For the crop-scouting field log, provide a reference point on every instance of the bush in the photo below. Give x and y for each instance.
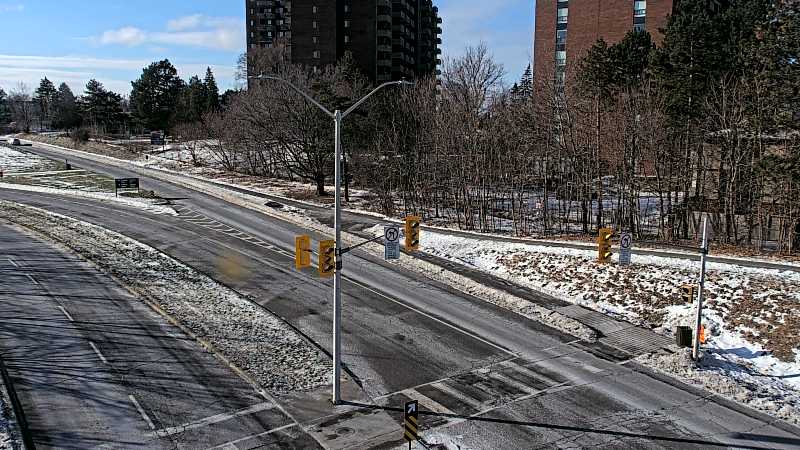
(80, 136)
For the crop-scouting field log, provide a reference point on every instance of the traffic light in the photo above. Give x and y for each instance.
(327, 258)
(604, 245)
(688, 293)
(412, 233)
(302, 252)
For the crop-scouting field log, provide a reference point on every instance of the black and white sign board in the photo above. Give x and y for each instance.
(391, 239)
(625, 248)
(126, 184)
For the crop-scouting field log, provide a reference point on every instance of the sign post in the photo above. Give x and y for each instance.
(700, 292)
(625, 248)
(125, 184)
(410, 421)
(391, 237)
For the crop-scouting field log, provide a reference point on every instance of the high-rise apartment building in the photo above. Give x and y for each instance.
(566, 29)
(389, 39)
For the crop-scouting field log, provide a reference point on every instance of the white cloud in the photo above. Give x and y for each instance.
(76, 71)
(11, 7)
(218, 33)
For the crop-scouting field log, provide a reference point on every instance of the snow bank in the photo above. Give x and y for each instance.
(9, 434)
(718, 375)
(12, 160)
(133, 202)
(249, 337)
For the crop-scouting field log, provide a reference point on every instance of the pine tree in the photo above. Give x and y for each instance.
(101, 108)
(156, 95)
(45, 97)
(65, 114)
(211, 92)
(526, 83)
(5, 109)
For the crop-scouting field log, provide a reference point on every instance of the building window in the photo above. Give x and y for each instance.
(561, 39)
(561, 58)
(639, 27)
(314, 9)
(347, 39)
(314, 24)
(640, 8)
(315, 39)
(563, 15)
(316, 54)
(347, 24)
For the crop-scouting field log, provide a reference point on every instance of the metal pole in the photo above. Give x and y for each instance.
(699, 321)
(337, 277)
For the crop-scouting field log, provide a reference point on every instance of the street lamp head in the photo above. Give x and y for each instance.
(404, 82)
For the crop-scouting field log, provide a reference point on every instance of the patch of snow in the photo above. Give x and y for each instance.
(267, 349)
(12, 160)
(133, 202)
(9, 434)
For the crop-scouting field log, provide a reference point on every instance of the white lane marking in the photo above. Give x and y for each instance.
(512, 382)
(30, 277)
(66, 313)
(212, 420)
(426, 401)
(142, 413)
(474, 402)
(12, 262)
(97, 350)
(232, 444)
(418, 311)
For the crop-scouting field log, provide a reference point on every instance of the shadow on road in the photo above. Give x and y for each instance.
(678, 440)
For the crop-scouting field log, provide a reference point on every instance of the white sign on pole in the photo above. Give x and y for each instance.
(625, 247)
(391, 237)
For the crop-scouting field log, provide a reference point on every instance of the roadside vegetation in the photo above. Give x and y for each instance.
(638, 137)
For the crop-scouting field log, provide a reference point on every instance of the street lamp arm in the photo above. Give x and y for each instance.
(297, 89)
(360, 102)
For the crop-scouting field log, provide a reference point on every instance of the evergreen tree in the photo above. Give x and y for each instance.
(526, 83)
(211, 92)
(5, 109)
(45, 97)
(156, 95)
(65, 114)
(194, 101)
(101, 108)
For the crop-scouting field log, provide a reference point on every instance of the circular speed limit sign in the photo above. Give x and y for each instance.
(626, 241)
(392, 234)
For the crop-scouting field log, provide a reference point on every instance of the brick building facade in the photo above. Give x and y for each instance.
(566, 29)
(389, 39)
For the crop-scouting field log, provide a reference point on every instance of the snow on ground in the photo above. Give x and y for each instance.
(13, 161)
(750, 314)
(262, 345)
(150, 205)
(8, 438)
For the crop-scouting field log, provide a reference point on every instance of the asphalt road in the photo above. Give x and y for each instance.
(96, 368)
(495, 379)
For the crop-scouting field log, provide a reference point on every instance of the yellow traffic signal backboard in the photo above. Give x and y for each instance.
(302, 252)
(604, 244)
(412, 233)
(327, 258)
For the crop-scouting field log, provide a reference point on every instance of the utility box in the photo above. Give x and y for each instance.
(683, 336)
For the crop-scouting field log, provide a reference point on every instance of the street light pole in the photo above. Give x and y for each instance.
(338, 117)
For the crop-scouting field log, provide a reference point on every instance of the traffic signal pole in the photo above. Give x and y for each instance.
(337, 276)
(337, 117)
(698, 325)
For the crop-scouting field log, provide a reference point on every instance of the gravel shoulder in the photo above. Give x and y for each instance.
(252, 340)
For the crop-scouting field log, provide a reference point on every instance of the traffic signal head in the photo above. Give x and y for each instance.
(327, 258)
(688, 293)
(604, 244)
(412, 233)
(302, 252)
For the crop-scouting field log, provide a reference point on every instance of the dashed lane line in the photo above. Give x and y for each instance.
(97, 350)
(66, 313)
(211, 420)
(142, 412)
(232, 444)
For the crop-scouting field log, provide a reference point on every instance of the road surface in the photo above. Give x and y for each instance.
(497, 380)
(94, 367)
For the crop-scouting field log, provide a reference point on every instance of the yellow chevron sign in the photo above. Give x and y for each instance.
(410, 419)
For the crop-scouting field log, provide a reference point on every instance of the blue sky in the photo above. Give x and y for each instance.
(111, 40)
